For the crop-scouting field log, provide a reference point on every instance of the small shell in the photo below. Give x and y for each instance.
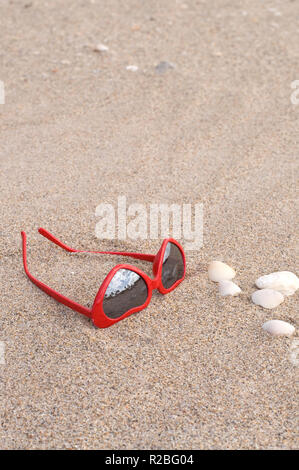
(283, 281)
(267, 298)
(278, 328)
(132, 68)
(101, 48)
(219, 271)
(228, 288)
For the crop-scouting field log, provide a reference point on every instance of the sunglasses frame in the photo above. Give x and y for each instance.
(96, 313)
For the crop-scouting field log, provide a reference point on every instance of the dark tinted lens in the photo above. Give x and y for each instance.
(173, 265)
(125, 291)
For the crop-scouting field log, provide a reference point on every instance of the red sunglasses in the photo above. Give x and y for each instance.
(126, 289)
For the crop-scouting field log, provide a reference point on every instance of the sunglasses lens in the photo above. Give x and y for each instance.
(173, 265)
(125, 291)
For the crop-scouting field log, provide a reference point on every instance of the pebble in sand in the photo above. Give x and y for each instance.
(284, 282)
(163, 66)
(219, 271)
(267, 298)
(228, 288)
(278, 328)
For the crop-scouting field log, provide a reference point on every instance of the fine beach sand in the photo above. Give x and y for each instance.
(192, 371)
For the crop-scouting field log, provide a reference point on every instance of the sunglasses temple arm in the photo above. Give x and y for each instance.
(55, 240)
(51, 292)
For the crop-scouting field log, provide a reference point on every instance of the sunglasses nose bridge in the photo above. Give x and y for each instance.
(154, 283)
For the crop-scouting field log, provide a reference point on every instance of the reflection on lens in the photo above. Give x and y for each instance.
(173, 265)
(125, 291)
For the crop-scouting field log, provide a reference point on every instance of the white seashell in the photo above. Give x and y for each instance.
(132, 68)
(228, 288)
(267, 298)
(101, 48)
(283, 281)
(219, 271)
(278, 328)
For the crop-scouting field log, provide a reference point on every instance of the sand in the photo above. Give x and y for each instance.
(192, 371)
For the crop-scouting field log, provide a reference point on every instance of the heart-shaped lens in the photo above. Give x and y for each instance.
(125, 291)
(173, 265)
